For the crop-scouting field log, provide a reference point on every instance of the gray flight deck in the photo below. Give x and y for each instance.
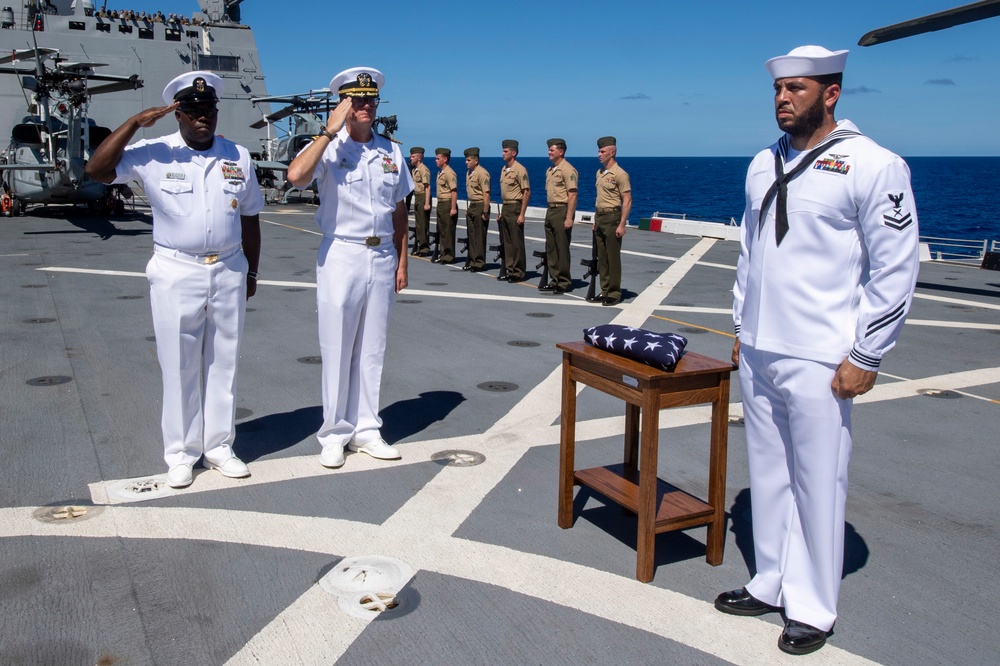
(229, 571)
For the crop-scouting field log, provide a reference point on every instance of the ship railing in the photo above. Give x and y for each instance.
(683, 216)
(959, 250)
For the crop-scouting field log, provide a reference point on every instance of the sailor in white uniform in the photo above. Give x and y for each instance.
(206, 241)
(824, 282)
(362, 263)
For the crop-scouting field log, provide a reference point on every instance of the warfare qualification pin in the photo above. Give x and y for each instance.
(234, 204)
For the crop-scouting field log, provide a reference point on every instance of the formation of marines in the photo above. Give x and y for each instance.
(613, 204)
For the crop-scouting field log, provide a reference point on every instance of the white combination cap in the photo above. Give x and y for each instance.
(358, 82)
(807, 61)
(194, 87)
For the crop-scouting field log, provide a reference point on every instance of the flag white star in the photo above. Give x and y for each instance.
(652, 345)
(628, 343)
(653, 335)
(610, 340)
(593, 339)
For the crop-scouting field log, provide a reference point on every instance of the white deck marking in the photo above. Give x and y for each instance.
(957, 301)
(953, 324)
(312, 630)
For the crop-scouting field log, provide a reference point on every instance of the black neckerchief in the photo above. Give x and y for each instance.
(781, 179)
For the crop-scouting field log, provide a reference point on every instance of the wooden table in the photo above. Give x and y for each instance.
(660, 506)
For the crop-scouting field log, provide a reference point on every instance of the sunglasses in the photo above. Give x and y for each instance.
(359, 102)
(196, 112)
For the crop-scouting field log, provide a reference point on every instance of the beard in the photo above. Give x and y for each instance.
(806, 123)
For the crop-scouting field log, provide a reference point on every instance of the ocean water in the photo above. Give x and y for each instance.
(957, 197)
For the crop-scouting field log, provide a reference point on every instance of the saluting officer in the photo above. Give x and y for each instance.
(447, 205)
(421, 200)
(515, 192)
(614, 202)
(206, 245)
(362, 261)
(477, 188)
(560, 192)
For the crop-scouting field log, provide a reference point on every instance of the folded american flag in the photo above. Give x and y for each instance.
(660, 350)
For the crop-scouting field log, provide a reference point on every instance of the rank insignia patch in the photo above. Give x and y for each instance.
(898, 218)
(232, 171)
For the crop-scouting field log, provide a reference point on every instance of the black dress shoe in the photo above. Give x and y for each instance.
(800, 638)
(467, 267)
(512, 279)
(741, 602)
(611, 301)
(547, 287)
(502, 278)
(560, 290)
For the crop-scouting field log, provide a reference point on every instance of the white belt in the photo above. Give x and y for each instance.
(370, 241)
(197, 257)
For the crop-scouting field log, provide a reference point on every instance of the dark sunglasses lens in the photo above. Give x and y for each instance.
(195, 112)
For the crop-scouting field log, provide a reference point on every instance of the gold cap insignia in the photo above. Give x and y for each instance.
(364, 79)
(199, 84)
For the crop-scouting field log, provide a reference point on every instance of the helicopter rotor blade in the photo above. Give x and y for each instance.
(976, 11)
(130, 83)
(26, 54)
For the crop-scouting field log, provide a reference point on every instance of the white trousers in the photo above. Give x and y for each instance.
(198, 313)
(356, 286)
(798, 446)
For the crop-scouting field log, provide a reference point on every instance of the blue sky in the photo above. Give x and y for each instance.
(667, 78)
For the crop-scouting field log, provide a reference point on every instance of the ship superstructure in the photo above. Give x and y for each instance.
(156, 49)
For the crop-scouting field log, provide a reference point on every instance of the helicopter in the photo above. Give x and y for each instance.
(306, 115)
(43, 163)
(284, 141)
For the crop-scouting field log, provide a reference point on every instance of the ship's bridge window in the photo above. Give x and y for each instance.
(145, 33)
(172, 35)
(219, 63)
(77, 25)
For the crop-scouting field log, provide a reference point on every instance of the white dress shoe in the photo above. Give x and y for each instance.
(180, 476)
(377, 448)
(332, 455)
(234, 468)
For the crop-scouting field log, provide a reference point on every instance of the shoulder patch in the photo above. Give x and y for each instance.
(896, 213)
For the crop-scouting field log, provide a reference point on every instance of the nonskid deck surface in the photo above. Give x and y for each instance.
(230, 571)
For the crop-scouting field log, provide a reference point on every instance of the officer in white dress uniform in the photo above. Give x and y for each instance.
(824, 282)
(206, 241)
(362, 263)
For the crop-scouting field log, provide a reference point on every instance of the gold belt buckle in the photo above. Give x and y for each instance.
(373, 241)
(211, 258)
